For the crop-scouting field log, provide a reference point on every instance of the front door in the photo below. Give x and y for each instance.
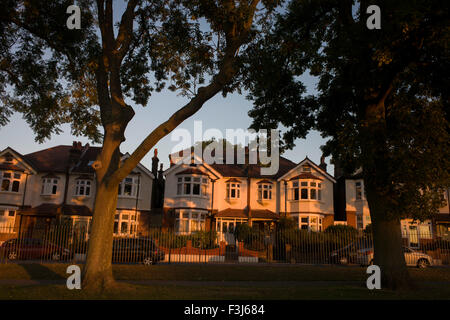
(225, 231)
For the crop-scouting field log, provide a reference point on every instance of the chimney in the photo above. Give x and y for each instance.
(160, 172)
(155, 161)
(338, 170)
(74, 153)
(322, 164)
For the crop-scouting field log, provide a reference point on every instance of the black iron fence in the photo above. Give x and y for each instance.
(69, 244)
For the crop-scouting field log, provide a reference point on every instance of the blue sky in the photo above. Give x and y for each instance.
(220, 113)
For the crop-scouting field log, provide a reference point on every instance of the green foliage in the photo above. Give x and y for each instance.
(286, 223)
(341, 229)
(204, 239)
(382, 98)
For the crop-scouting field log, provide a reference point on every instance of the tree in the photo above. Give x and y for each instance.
(90, 77)
(382, 103)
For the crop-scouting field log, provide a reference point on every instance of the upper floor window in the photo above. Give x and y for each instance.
(358, 190)
(264, 191)
(83, 188)
(10, 181)
(49, 186)
(306, 190)
(233, 190)
(129, 187)
(192, 185)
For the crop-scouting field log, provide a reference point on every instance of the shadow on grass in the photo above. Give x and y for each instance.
(40, 272)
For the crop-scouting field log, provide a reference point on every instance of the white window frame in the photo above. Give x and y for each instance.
(312, 222)
(6, 220)
(187, 182)
(192, 220)
(11, 179)
(233, 186)
(49, 186)
(85, 185)
(128, 218)
(134, 182)
(264, 191)
(310, 185)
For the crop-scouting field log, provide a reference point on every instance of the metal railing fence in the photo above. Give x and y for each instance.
(65, 243)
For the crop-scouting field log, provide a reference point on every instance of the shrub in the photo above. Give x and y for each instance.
(204, 239)
(342, 229)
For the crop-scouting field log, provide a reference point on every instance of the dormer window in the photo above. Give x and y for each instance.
(83, 188)
(192, 185)
(10, 181)
(233, 189)
(264, 190)
(49, 186)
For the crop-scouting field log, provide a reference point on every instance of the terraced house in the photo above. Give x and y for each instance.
(58, 184)
(221, 196)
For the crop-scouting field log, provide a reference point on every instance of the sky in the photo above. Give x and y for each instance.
(219, 113)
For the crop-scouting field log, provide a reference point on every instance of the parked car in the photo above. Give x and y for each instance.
(136, 250)
(412, 258)
(31, 248)
(350, 253)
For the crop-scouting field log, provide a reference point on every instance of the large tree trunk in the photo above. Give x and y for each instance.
(380, 194)
(97, 273)
(387, 239)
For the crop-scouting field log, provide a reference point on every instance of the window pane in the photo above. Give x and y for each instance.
(196, 189)
(296, 194)
(304, 184)
(5, 185)
(304, 193)
(313, 193)
(15, 186)
(54, 189)
(187, 188)
(17, 175)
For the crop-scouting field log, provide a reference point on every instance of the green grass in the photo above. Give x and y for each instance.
(433, 283)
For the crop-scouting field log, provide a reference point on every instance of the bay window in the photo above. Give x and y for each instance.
(7, 220)
(189, 221)
(192, 185)
(125, 223)
(306, 190)
(311, 222)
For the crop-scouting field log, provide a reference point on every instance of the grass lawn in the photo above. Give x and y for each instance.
(319, 282)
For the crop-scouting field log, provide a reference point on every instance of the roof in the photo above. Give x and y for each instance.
(242, 170)
(53, 209)
(57, 159)
(77, 158)
(240, 213)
